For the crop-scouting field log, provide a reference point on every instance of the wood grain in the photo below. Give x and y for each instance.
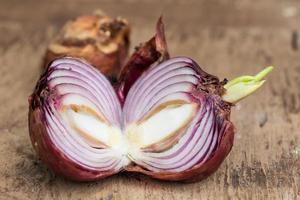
(227, 38)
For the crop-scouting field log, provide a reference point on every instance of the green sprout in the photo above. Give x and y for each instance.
(242, 86)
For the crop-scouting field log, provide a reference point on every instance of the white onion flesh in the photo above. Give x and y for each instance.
(161, 125)
(91, 126)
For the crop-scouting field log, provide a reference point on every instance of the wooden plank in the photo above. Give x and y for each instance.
(228, 37)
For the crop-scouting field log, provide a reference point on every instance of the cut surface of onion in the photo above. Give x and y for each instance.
(166, 124)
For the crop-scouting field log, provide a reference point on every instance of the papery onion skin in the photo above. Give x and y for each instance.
(101, 40)
(149, 53)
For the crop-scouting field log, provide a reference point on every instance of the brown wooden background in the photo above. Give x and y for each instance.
(227, 38)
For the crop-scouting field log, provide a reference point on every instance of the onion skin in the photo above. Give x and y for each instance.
(99, 39)
(149, 53)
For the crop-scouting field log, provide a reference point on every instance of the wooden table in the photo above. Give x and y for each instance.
(228, 38)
